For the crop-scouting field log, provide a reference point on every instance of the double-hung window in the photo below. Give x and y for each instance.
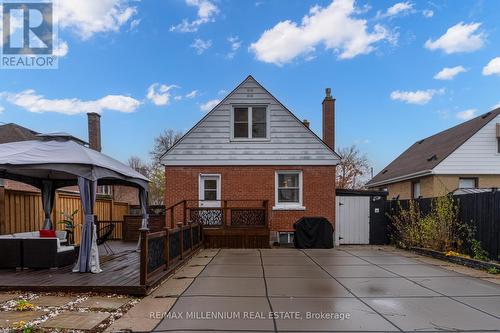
(250, 122)
(288, 190)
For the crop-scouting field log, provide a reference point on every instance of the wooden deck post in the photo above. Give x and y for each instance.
(181, 240)
(184, 206)
(225, 221)
(2, 210)
(172, 222)
(166, 249)
(144, 257)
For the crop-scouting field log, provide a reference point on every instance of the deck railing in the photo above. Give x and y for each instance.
(163, 250)
(226, 214)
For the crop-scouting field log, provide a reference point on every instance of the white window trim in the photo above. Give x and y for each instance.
(250, 112)
(200, 192)
(288, 206)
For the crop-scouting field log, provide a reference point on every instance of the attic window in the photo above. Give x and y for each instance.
(486, 115)
(249, 122)
(432, 158)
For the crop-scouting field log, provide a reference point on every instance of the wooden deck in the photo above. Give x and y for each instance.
(120, 275)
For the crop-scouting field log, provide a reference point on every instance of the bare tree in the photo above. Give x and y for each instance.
(138, 165)
(354, 168)
(163, 142)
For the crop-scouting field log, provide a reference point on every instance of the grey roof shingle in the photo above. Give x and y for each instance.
(13, 133)
(426, 154)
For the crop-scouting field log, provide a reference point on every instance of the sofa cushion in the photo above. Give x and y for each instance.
(47, 234)
(33, 234)
(6, 236)
(64, 248)
(61, 234)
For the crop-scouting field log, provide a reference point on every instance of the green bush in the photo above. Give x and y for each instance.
(440, 229)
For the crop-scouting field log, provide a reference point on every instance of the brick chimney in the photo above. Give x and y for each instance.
(329, 119)
(94, 130)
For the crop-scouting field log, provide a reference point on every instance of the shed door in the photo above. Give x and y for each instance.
(352, 220)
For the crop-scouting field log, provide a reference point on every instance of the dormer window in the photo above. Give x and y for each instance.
(249, 122)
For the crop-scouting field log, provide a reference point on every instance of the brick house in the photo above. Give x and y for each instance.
(462, 157)
(251, 148)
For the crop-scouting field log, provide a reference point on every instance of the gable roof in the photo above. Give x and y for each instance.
(12, 133)
(424, 155)
(252, 79)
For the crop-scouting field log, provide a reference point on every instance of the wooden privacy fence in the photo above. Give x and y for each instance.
(163, 250)
(479, 210)
(22, 211)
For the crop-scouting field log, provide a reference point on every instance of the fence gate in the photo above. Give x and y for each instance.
(352, 220)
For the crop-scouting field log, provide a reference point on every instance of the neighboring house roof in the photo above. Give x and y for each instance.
(61, 135)
(13, 133)
(424, 155)
(220, 115)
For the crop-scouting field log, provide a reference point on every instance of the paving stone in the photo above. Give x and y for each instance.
(304, 287)
(199, 261)
(351, 271)
(432, 314)
(8, 318)
(490, 305)
(227, 306)
(98, 302)
(233, 271)
(460, 286)
(144, 316)
(308, 310)
(340, 260)
(384, 287)
(419, 270)
(51, 301)
(188, 272)
(224, 286)
(172, 287)
(7, 297)
(76, 320)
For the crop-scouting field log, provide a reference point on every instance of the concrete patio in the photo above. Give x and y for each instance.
(348, 289)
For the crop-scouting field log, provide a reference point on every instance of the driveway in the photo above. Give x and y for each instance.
(347, 289)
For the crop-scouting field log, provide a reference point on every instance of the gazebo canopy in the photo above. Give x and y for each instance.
(57, 161)
(63, 162)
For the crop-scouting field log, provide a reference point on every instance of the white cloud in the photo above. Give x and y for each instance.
(89, 17)
(222, 92)
(201, 45)
(449, 73)
(428, 13)
(419, 97)
(208, 106)
(134, 24)
(206, 12)
(400, 8)
(459, 38)
(60, 49)
(192, 94)
(335, 26)
(235, 43)
(178, 98)
(159, 94)
(467, 114)
(32, 102)
(2, 109)
(496, 106)
(493, 67)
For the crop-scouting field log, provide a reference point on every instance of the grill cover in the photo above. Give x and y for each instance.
(313, 233)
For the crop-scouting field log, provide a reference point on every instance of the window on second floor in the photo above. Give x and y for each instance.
(250, 122)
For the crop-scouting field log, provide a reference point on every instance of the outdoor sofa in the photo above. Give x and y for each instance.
(29, 250)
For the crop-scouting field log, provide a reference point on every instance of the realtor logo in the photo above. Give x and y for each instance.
(28, 35)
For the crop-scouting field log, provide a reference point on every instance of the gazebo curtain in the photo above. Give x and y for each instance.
(48, 196)
(143, 202)
(88, 258)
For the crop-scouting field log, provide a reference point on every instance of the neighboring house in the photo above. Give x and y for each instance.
(462, 157)
(13, 133)
(251, 147)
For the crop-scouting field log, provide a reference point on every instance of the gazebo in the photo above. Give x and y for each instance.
(56, 162)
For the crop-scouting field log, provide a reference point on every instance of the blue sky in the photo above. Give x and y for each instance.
(150, 65)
